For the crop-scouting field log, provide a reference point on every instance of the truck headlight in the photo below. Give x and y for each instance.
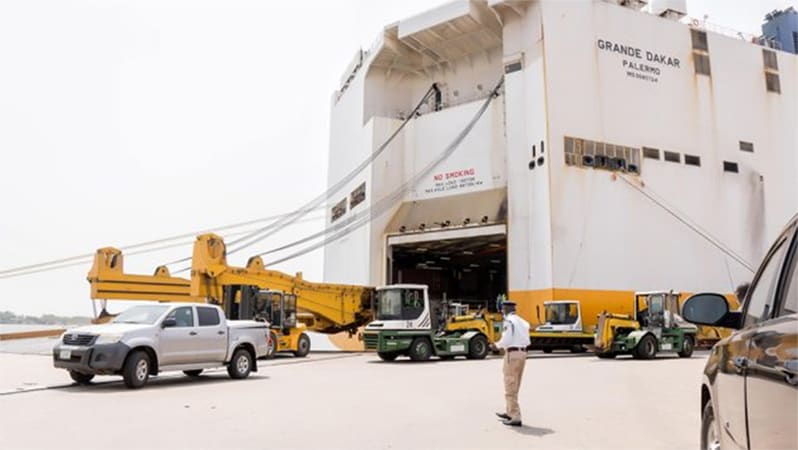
(108, 338)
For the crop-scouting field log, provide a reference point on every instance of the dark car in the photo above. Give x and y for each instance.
(749, 396)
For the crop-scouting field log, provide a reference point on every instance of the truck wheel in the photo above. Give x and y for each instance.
(193, 373)
(271, 350)
(81, 378)
(578, 349)
(608, 355)
(420, 349)
(302, 346)
(646, 348)
(136, 370)
(547, 350)
(387, 356)
(477, 347)
(240, 365)
(687, 347)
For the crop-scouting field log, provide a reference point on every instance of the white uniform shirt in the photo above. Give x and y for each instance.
(516, 332)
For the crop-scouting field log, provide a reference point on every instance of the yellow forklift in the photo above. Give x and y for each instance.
(274, 307)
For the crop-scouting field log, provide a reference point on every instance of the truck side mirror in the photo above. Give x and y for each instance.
(169, 322)
(709, 309)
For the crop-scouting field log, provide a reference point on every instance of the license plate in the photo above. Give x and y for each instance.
(666, 346)
(457, 348)
(65, 354)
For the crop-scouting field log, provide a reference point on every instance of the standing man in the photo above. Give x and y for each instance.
(514, 341)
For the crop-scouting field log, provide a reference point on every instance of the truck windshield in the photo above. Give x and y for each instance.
(655, 304)
(143, 314)
(561, 313)
(399, 304)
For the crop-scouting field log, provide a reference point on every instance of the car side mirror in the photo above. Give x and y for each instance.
(709, 309)
(170, 322)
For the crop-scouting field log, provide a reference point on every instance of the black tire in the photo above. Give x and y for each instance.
(420, 349)
(240, 365)
(387, 356)
(302, 346)
(709, 428)
(577, 349)
(646, 348)
(687, 347)
(193, 373)
(136, 370)
(609, 355)
(477, 347)
(271, 351)
(81, 378)
(547, 350)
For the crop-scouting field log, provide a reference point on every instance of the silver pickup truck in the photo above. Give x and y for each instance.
(147, 339)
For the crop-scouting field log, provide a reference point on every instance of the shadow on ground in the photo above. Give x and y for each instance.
(660, 357)
(155, 383)
(540, 355)
(532, 431)
(408, 362)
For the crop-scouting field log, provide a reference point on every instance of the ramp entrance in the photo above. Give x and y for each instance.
(466, 266)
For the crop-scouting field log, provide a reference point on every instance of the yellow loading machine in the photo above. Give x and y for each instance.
(289, 303)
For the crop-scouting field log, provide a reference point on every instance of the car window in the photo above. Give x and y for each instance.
(207, 317)
(761, 295)
(790, 303)
(184, 316)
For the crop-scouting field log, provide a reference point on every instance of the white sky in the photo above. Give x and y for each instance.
(125, 121)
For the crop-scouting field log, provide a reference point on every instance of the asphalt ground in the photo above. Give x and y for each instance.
(356, 401)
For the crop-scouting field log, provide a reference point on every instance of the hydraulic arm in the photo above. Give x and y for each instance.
(110, 282)
(334, 307)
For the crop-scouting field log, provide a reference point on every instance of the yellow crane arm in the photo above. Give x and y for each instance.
(335, 307)
(109, 281)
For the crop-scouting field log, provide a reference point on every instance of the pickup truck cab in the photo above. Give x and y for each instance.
(148, 339)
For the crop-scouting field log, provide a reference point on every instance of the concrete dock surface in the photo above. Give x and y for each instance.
(356, 401)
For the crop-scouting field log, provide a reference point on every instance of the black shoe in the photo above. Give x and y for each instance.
(512, 423)
(503, 416)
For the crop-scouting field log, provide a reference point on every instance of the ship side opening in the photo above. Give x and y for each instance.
(465, 268)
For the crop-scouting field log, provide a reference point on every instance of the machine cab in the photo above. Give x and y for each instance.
(457, 310)
(658, 309)
(275, 307)
(402, 306)
(562, 315)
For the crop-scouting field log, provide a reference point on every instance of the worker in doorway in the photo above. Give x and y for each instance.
(514, 342)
